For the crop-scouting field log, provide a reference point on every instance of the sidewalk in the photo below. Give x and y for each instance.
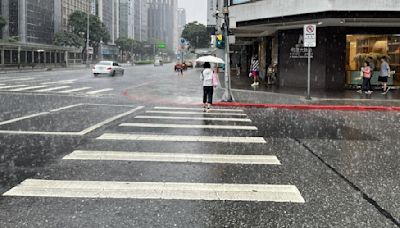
(244, 93)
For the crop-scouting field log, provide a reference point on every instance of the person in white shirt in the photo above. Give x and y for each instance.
(206, 77)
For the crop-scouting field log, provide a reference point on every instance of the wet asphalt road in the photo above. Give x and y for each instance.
(345, 165)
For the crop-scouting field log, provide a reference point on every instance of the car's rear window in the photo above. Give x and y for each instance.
(104, 63)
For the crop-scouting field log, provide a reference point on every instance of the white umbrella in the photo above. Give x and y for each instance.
(210, 59)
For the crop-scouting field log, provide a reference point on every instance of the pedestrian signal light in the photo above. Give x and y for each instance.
(220, 41)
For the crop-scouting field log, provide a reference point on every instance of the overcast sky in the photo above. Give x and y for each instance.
(196, 10)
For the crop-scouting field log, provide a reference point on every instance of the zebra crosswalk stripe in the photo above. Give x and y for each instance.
(99, 91)
(194, 118)
(197, 109)
(27, 88)
(157, 190)
(173, 157)
(189, 126)
(76, 90)
(53, 89)
(197, 113)
(181, 138)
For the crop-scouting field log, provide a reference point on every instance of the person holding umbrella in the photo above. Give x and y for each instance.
(209, 81)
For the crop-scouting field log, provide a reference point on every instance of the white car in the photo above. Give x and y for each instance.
(107, 67)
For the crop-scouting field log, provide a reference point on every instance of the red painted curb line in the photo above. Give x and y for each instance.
(310, 107)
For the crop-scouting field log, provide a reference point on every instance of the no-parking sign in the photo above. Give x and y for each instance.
(310, 35)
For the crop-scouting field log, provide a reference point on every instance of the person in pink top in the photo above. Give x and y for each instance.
(366, 73)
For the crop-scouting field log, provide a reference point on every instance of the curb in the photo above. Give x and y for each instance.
(312, 107)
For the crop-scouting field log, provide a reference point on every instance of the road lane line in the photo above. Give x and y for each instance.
(197, 109)
(94, 127)
(197, 113)
(27, 88)
(189, 126)
(157, 190)
(99, 91)
(52, 89)
(23, 118)
(66, 107)
(76, 90)
(173, 157)
(12, 86)
(180, 138)
(40, 133)
(17, 80)
(194, 118)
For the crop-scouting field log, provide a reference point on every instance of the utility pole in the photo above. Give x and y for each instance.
(87, 40)
(228, 93)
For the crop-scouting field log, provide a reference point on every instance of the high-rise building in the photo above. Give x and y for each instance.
(108, 12)
(30, 21)
(126, 18)
(64, 8)
(141, 20)
(162, 22)
(181, 20)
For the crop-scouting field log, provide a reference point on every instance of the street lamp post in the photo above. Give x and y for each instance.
(87, 40)
(228, 93)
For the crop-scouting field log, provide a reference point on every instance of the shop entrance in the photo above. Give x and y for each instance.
(360, 47)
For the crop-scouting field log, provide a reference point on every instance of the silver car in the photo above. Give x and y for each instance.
(107, 67)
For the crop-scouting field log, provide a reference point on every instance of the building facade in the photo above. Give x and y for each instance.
(162, 17)
(64, 8)
(29, 21)
(348, 32)
(126, 19)
(108, 12)
(141, 20)
(181, 20)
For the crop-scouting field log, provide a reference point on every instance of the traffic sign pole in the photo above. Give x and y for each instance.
(310, 41)
(309, 75)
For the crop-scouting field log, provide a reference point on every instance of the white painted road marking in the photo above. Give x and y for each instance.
(94, 127)
(181, 138)
(197, 113)
(66, 107)
(99, 91)
(55, 133)
(27, 88)
(197, 109)
(173, 157)
(23, 118)
(17, 79)
(157, 190)
(222, 127)
(12, 86)
(75, 90)
(60, 82)
(193, 118)
(52, 89)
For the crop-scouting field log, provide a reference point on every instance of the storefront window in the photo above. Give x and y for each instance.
(362, 47)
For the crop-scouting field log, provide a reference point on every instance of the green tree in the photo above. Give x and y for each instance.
(98, 32)
(68, 39)
(3, 22)
(196, 34)
(130, 46)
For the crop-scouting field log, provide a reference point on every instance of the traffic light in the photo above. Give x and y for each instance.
(220, 41)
